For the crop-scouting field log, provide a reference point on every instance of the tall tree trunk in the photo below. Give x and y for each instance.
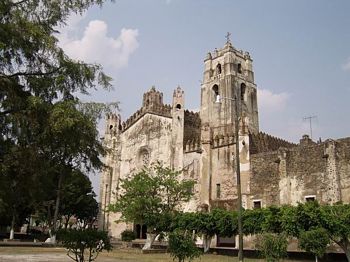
(206, 243)
(57, 207)
(347, 253)
(345, 245)
(12, 230)
(149, 241)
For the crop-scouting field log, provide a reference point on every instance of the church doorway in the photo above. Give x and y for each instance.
(141, 231)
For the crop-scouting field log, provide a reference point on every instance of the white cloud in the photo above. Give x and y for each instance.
(269, 101)
(95, 46)
(346, 66)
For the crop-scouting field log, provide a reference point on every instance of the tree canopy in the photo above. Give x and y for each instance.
(44, 127)
(152, 196)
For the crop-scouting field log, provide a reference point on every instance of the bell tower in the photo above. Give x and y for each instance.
(228, 94)
(229, 79)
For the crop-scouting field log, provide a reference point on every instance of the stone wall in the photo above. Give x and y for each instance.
(343, 167)
(145, 142)
(192, 129)
(264, 183)
(191, 171)
(262, 142)
(309, 170)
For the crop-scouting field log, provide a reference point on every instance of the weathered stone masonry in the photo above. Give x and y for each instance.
(201, 145)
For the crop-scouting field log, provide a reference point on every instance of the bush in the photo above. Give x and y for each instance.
(272, 247)
(181, 246)
(128, 235)
(314, 241)
(84, 242)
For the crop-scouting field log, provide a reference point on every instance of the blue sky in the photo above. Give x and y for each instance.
(301, 53)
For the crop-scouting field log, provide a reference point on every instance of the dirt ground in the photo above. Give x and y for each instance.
(40, 254)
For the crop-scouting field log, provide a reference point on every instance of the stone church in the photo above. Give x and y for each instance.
(202, 145)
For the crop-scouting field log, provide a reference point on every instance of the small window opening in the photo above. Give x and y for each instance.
(216, 90)
(218, 190)
(178, 106)
(218, 69)
(310, 198)
(243, 87)
(257, 204)
(110, 127)
(239, 68)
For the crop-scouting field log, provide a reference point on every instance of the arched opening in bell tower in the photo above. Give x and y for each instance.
(218, 69)
(216, 92)
(243, 89)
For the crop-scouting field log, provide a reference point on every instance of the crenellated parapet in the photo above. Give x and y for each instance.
(153, 104)
(222, 139)
(160, 110)
(262, 142)
(192, 129)
(193, 145)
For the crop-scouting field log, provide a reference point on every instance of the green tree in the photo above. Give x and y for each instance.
(17, 200)
(78, 200)
(273, 247)
(182, 246)
(314, 241)
(39, 85)
(335, 220)
(152, 197)
(207, 224)
(84, 244)
(332, 219)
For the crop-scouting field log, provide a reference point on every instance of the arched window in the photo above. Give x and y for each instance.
(216, 92)
(218, 69)
(178, 106)
(144, 157)
(239, 68)
(243, 87)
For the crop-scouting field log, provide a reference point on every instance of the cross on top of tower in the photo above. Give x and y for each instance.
(228, 40)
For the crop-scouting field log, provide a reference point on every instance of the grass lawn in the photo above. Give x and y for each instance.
(117, 255)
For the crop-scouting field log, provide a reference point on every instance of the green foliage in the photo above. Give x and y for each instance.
(84, 244)
(128, 235)
(311, 219)
(314, 225)
(182, 247)
(218, 221)
(273, 247)
(272, 221)
(253, 220)
(335, 219)
(78, 199)
(46, 133)
(152, 197)
(314, 241)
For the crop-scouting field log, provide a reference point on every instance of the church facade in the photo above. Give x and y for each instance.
(202, 145)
